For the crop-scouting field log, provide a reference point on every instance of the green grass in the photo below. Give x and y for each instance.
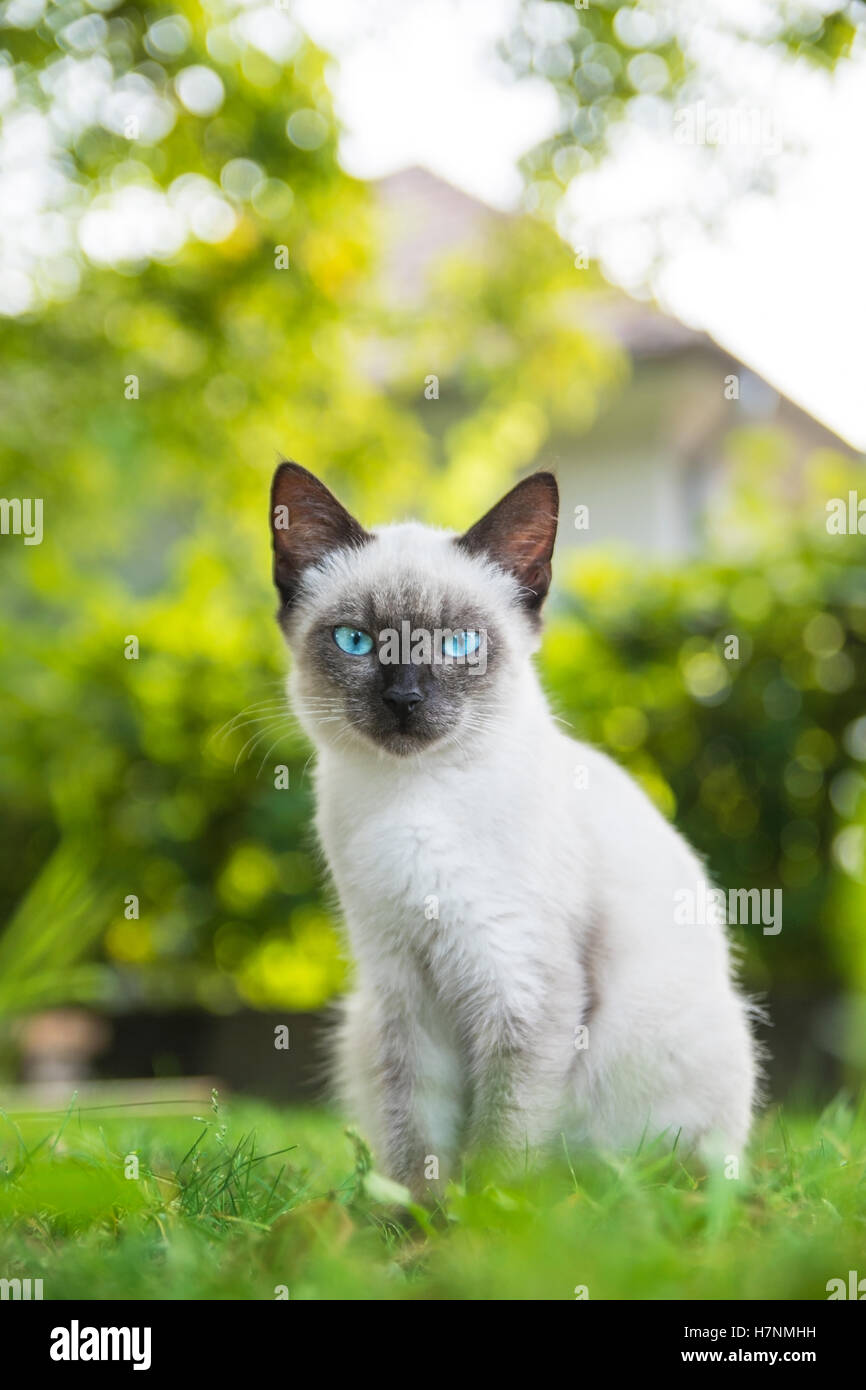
(241, 1201)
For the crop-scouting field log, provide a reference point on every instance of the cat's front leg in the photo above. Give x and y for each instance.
(403, 1087)
(521, 1069)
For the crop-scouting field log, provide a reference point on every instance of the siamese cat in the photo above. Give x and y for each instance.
(508, 893)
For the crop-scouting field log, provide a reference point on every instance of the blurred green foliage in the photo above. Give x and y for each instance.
(157, 777)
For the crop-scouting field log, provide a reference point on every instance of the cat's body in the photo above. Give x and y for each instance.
(508, 892)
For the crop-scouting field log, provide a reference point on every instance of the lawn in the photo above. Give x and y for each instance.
(252, 1202)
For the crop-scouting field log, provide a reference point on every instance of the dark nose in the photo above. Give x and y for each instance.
(402, 699)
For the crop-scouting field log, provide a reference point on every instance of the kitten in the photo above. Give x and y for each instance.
(508, 892)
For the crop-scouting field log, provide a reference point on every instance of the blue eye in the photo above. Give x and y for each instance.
(353, 641)
(461, 643)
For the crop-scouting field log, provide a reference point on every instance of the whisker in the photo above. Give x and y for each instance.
(260, 705)
(277, 740)
(254, 739)
(257, 719)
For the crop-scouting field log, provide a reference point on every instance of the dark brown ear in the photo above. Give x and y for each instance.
(518, 534)
(307, 522)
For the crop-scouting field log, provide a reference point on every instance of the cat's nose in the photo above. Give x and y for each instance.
(402, 699)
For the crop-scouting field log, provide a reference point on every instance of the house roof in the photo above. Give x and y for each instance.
(426, 217)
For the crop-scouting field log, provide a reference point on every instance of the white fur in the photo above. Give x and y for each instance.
(555, 906)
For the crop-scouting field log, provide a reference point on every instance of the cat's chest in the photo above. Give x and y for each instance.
(447, 853)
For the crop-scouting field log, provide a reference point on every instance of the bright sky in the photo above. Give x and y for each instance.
(418, 83)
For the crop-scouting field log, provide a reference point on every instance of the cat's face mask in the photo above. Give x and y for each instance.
(407, 638)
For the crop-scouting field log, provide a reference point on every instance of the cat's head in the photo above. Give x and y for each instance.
(407, 638)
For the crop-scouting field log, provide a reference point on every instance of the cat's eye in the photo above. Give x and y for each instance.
(353, 641)
(461, 643)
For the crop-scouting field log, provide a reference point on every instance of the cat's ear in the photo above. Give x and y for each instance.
(518, 534)
(307, 522)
